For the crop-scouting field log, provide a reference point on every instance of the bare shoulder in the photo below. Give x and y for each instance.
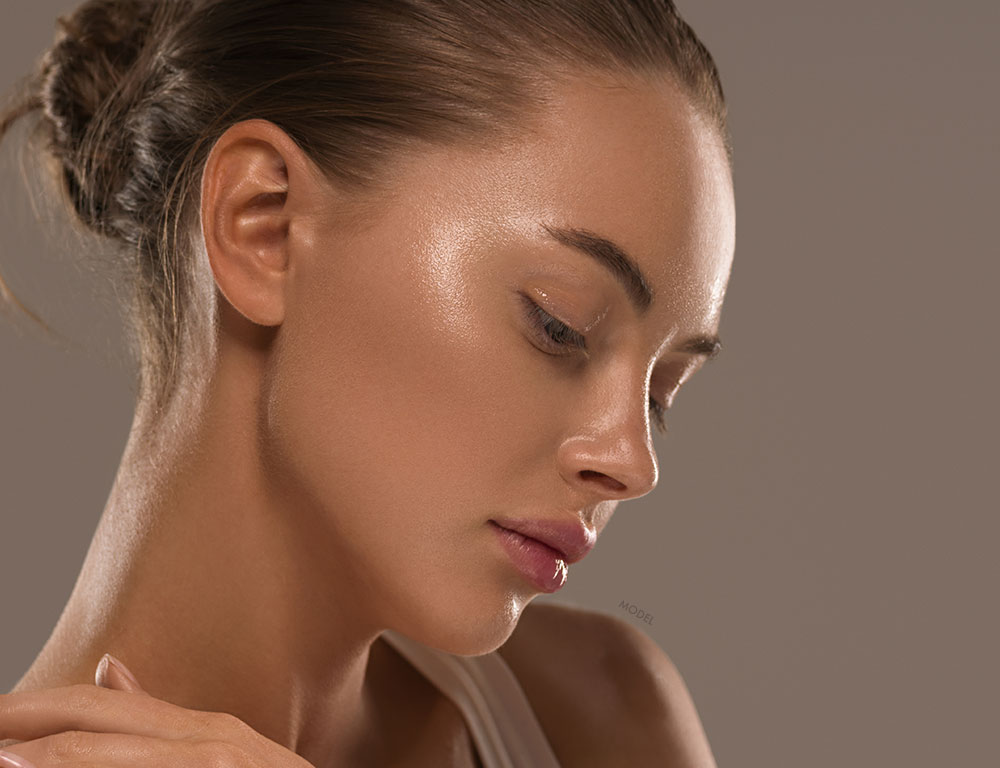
(604, 692)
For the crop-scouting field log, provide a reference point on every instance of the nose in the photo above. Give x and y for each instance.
(610, 455)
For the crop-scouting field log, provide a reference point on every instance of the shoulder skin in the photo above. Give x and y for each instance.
(604, 692)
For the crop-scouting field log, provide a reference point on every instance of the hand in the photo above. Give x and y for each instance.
(116, 723)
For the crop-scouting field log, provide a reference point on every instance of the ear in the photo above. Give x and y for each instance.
(253, 180)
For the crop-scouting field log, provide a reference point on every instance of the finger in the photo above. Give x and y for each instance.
(30, 715)
(110, 750)
(10, 760)
(112, 673)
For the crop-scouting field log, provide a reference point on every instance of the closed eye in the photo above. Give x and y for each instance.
(558, 336)
(554, 333)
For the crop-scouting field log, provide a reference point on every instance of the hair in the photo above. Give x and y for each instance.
(133, 94)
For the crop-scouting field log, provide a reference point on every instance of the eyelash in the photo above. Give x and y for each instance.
(561, 335)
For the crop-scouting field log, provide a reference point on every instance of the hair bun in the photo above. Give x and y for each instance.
(86, 95)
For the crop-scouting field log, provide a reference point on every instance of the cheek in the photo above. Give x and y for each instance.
(396, 426)
(394, 392)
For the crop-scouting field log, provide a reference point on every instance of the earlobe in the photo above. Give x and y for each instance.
(246, 218)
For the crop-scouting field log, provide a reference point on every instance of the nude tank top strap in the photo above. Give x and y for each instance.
(504, 728)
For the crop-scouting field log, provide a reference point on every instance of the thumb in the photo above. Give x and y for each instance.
(111, 673)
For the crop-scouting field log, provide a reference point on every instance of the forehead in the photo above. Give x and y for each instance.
(636, 162)
(630, 160)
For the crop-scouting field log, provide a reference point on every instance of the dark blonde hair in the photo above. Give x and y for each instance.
(134, 93)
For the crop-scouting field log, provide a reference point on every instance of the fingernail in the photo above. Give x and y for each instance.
(7, 760)
(122, 669)
(101, 673)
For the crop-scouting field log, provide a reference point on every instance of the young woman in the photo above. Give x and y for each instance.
(407, 277)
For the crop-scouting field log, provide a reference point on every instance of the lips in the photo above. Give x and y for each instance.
(570, 538)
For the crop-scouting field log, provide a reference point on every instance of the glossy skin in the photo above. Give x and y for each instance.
(374, 395)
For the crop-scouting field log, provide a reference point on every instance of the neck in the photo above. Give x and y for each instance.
(204, 579)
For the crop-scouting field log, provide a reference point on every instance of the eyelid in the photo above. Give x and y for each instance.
(540, 318)
(658, 415)
(586, 327)
(535, 313)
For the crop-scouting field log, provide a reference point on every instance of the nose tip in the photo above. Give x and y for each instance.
(614, 461)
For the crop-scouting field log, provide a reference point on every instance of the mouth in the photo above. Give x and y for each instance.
(542, 566)
(570, 539)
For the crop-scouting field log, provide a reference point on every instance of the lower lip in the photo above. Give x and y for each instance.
(539, 563)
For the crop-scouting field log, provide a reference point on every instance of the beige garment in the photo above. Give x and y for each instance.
(503, 726)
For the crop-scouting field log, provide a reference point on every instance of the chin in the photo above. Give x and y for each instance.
(465, 630)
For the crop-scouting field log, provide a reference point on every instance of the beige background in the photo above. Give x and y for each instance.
(819, 557)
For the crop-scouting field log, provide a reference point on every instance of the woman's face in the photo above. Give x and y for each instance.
(413, 396)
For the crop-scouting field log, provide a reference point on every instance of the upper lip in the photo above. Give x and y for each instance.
(570, 538)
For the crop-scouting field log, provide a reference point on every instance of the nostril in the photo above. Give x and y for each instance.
(606, 479)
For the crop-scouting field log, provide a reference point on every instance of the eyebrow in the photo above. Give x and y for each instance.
(628, 274)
